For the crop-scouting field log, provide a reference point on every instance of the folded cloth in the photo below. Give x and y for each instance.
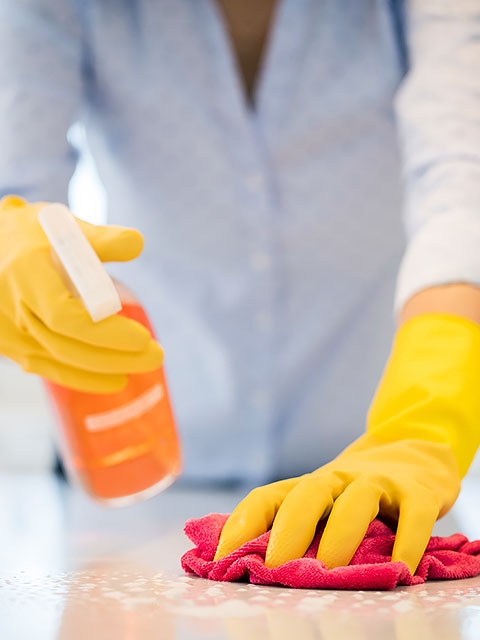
(448, 558)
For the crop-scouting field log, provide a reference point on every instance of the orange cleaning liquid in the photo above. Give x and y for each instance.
(122, 447)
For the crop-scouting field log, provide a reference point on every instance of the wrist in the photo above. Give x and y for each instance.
(459, 299)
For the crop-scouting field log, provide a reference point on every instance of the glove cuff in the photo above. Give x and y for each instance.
(430, 389)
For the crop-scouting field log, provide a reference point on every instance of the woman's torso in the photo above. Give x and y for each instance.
(273, 234)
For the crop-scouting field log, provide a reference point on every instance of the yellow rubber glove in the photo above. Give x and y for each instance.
(48, 331)
(422, 434)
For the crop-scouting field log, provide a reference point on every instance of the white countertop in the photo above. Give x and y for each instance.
(70, 569)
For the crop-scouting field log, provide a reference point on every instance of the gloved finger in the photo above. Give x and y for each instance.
(253, 516)
(11, 201)
(23, 348)
(94, 359)
(72, 378)
(351, 514)
(65, 315)
(416, 520)
(298, 516)
(113, 243)
(15, 344)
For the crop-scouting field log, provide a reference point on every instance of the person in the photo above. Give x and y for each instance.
(254, 145)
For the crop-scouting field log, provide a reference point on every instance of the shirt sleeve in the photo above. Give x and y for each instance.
(438, 111)
(40, 96)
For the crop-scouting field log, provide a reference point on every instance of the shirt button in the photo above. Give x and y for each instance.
(264, 320)
(254, 182)
(260, 261)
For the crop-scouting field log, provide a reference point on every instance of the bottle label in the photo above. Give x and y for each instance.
(126, 412)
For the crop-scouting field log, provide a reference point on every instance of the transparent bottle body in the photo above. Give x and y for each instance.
(119, 447)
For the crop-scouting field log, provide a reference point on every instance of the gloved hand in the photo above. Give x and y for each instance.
(47, 330)
(422, 433)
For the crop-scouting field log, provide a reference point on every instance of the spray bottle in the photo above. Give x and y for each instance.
(120, 447)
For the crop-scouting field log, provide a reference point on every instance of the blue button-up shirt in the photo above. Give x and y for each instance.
(274, 233)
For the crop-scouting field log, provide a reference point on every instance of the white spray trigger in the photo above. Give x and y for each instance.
(82, 266)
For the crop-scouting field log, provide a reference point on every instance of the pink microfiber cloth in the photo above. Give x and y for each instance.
(445, 559)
